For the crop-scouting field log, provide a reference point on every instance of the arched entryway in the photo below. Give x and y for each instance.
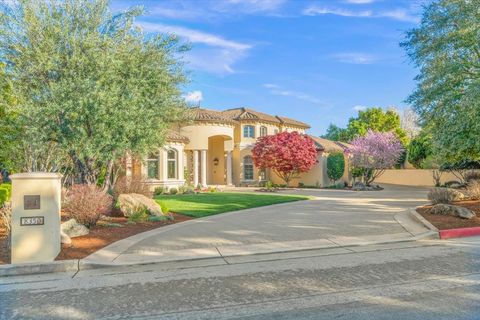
(219, 160)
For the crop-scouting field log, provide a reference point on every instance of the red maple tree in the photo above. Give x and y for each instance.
(286, 153)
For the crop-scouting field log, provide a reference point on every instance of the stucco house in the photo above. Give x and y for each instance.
(214, 148)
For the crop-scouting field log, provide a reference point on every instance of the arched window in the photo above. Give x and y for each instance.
(263, 131)
(249, 132)
(247, 168)
(171, 164)
(152, 166)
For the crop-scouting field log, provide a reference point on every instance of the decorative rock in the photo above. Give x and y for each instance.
(133, 202)
(73, 229)
(451, 210)
(64, 238)
(359, 186)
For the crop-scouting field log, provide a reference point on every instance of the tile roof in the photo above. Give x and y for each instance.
(293, 122)
(174, 136)
(329, 145)
(200, 114)
(250, 114)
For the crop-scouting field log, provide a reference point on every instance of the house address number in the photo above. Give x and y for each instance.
(32, 221)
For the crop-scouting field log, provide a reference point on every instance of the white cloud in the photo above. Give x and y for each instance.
(360, 108)
(315, 11)
(278, 91)
(396, 14)
(194, 97)
(355, 58)
(400, 14)
(195, 36)
(216, 54)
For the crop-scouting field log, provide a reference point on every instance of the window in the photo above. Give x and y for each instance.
(249, 132)
(172, 164)
(275, 131)
(247, 168)
(263, 131)
(152, 166)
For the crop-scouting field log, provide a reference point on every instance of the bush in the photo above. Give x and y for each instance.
(444, 195)
(159, 191)
(335, 166)
(86, 203)
(472, 176)
(139, 216)
(182, 189)
(8, 187)
(135, 185)
(212, 189)
(473, 189)
(3, 196)
(173, 190)
(157, 218)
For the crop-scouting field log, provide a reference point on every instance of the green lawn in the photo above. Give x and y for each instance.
(206, 204)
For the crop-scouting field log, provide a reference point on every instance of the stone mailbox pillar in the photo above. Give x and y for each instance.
(36, 202)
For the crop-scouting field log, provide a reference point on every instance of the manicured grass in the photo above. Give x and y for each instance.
(206, 204)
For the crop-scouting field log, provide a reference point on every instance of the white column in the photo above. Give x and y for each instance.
(180, 172)
(204, 168)
(163, 165)
(195, 168)
(229, 168)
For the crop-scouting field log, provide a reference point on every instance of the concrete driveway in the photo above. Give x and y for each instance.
(332, 219)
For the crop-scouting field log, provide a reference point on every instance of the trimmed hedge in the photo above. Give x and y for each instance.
(335, 166)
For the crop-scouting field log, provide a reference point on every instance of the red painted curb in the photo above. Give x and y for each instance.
(459, 233)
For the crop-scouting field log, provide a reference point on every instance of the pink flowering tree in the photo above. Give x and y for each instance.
(286, 153)
(374, 153)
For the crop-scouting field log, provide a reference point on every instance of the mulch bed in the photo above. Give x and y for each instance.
(99, 237)
(448, 222)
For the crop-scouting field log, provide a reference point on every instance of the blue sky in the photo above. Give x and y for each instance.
(315, 61)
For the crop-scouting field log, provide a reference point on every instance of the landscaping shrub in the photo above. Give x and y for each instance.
(157, 218)
(173, 190)
(132, 185)
(159, 191)
(139, 216)
(182, 189)
(3, 196)
(335, 166)
(473, 189)
(86, 203)
(8, 187)
(444, 195)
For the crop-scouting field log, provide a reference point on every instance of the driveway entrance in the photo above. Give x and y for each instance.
(332, 219)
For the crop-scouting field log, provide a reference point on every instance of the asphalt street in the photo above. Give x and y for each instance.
(410, 280)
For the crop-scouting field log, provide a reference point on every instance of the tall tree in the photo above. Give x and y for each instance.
(88, 83)
(286, 153)
(374, 153)
(446, 50)
(336, 133)
(376, 119)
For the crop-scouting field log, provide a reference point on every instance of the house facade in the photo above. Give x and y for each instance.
(214, 149)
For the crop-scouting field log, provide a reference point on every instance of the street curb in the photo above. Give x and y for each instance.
(38, 268)
(414, 214)
(459, 233)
